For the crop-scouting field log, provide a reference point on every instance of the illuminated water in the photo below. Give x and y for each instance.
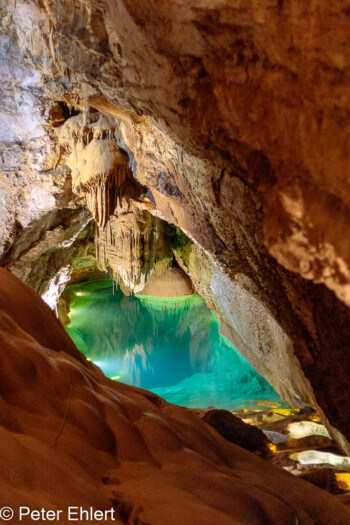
(170, 346)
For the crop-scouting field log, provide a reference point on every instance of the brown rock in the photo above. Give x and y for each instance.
(236, 431)
(324, 478)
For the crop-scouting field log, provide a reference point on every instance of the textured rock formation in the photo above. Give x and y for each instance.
(70, 436)
(234, 117)
(129, 241)
(131, 244)
(37, 263)
(99, 168)
(38, 212)
(167, 282)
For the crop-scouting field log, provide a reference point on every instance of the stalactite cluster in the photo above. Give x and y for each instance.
(129, 239)
(131, 244)
(99, 167)
(105, 189)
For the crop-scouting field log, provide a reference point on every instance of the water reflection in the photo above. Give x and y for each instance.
(170, 346)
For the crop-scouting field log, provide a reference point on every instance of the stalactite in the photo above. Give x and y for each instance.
(101, 174)
(131, 245)
(129, 239)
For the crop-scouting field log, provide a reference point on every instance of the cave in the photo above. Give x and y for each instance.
(174, 270)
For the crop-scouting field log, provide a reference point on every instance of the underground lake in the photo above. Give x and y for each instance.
(171, 346)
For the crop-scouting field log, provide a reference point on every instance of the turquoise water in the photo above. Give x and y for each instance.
(170, 346)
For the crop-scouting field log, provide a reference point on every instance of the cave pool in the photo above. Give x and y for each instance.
(170, 346)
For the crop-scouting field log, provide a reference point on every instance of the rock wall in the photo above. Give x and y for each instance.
(235, 118)
(40, 218)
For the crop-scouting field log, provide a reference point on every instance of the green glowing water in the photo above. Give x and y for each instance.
(170, 346)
